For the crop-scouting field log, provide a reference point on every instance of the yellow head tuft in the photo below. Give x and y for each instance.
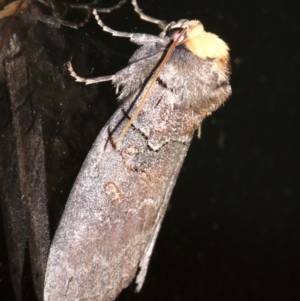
(205, 44)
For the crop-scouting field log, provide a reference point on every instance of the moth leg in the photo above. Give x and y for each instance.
(85, 6)
(162, 24)
(144, 262)
(88, 81)
(99, 10)
(57, 22)
(137, 38)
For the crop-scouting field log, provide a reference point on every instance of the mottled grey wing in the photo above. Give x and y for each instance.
(113, 215)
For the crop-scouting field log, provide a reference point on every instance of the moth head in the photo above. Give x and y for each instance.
(203, 44)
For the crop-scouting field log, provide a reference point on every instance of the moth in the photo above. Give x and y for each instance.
(117, 204)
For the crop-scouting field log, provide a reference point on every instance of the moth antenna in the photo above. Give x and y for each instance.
(88, 81)
(156, 74)
(110, 30)
(162, 24)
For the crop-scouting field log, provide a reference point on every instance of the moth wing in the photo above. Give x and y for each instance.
(145, 259)
(111, 219)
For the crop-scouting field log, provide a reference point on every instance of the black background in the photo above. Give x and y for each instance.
(232, 228)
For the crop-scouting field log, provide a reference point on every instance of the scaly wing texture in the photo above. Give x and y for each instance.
(112, 216)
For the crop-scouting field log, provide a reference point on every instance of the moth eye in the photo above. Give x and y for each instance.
(174, 33)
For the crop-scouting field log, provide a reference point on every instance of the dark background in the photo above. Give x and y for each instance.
(232, 228)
